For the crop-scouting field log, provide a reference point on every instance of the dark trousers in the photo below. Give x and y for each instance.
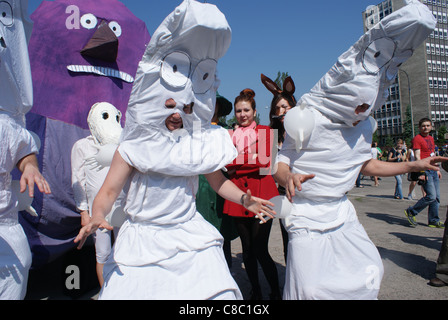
(442, 261)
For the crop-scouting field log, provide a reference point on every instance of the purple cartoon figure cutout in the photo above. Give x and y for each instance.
(81, 52)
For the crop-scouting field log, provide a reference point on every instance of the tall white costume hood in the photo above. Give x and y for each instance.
(362, 75)
(327, 133)
(16, 89)
(179, 65)
(330, 136)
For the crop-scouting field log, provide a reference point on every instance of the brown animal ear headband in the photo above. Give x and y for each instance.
(288, 86)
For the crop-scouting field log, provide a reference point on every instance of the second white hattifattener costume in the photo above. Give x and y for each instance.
(165, 249)
(88, 173)
(330, 256)
(16, 98)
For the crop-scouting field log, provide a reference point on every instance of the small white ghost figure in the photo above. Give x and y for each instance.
(92, 157)
(104, 121)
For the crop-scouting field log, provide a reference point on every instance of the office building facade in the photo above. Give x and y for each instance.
(421, 84)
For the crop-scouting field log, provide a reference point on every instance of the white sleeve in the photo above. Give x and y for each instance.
(287, 152)
(79, 175)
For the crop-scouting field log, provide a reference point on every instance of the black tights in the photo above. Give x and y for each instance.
(254, 240)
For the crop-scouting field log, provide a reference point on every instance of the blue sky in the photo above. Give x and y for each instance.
(303, 38)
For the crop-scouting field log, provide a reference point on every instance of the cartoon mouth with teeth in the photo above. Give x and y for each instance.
(82, 54)
(102, 46)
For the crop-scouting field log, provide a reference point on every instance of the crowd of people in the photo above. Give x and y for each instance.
(168, 245)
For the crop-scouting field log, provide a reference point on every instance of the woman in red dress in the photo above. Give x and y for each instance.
(251, 171)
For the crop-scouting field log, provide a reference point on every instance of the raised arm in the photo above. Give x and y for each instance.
(388, 169)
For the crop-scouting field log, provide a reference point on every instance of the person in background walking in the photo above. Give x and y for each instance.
(424, 147)
(398, 154)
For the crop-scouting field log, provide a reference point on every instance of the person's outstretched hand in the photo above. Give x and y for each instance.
(260, 207)
(95, 224)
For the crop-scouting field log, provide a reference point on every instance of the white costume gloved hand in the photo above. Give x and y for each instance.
(24, 200)
(103, 158)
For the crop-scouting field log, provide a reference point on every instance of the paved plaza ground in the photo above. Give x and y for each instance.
(409, 254)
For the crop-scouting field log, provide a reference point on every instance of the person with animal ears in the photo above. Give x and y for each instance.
(282, 102)
(166, 250)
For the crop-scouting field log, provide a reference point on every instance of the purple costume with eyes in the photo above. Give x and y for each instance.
(80, 54)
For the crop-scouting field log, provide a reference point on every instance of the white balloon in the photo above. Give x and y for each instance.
(282, 206)
(299, 124)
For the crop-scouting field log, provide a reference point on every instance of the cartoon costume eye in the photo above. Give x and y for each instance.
(176, 69)
(105, 116)
(379, 53)
(116, 28)
(396, 63)
(89, 21)
(204, 76)
(6, 15)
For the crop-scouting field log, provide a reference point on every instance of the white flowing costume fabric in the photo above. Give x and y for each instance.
(166, 250)
(16, 96)
(330, 256)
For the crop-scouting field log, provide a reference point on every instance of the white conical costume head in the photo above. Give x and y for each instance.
(177, 74)
(180, 64)
(105, 123)
(16, 89)
(357, 84)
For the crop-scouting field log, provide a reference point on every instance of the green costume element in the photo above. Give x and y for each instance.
(210, 205)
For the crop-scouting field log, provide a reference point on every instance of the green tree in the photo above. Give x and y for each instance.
(441, 135)
(389, 142)
(281, 76)
(407, 126)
